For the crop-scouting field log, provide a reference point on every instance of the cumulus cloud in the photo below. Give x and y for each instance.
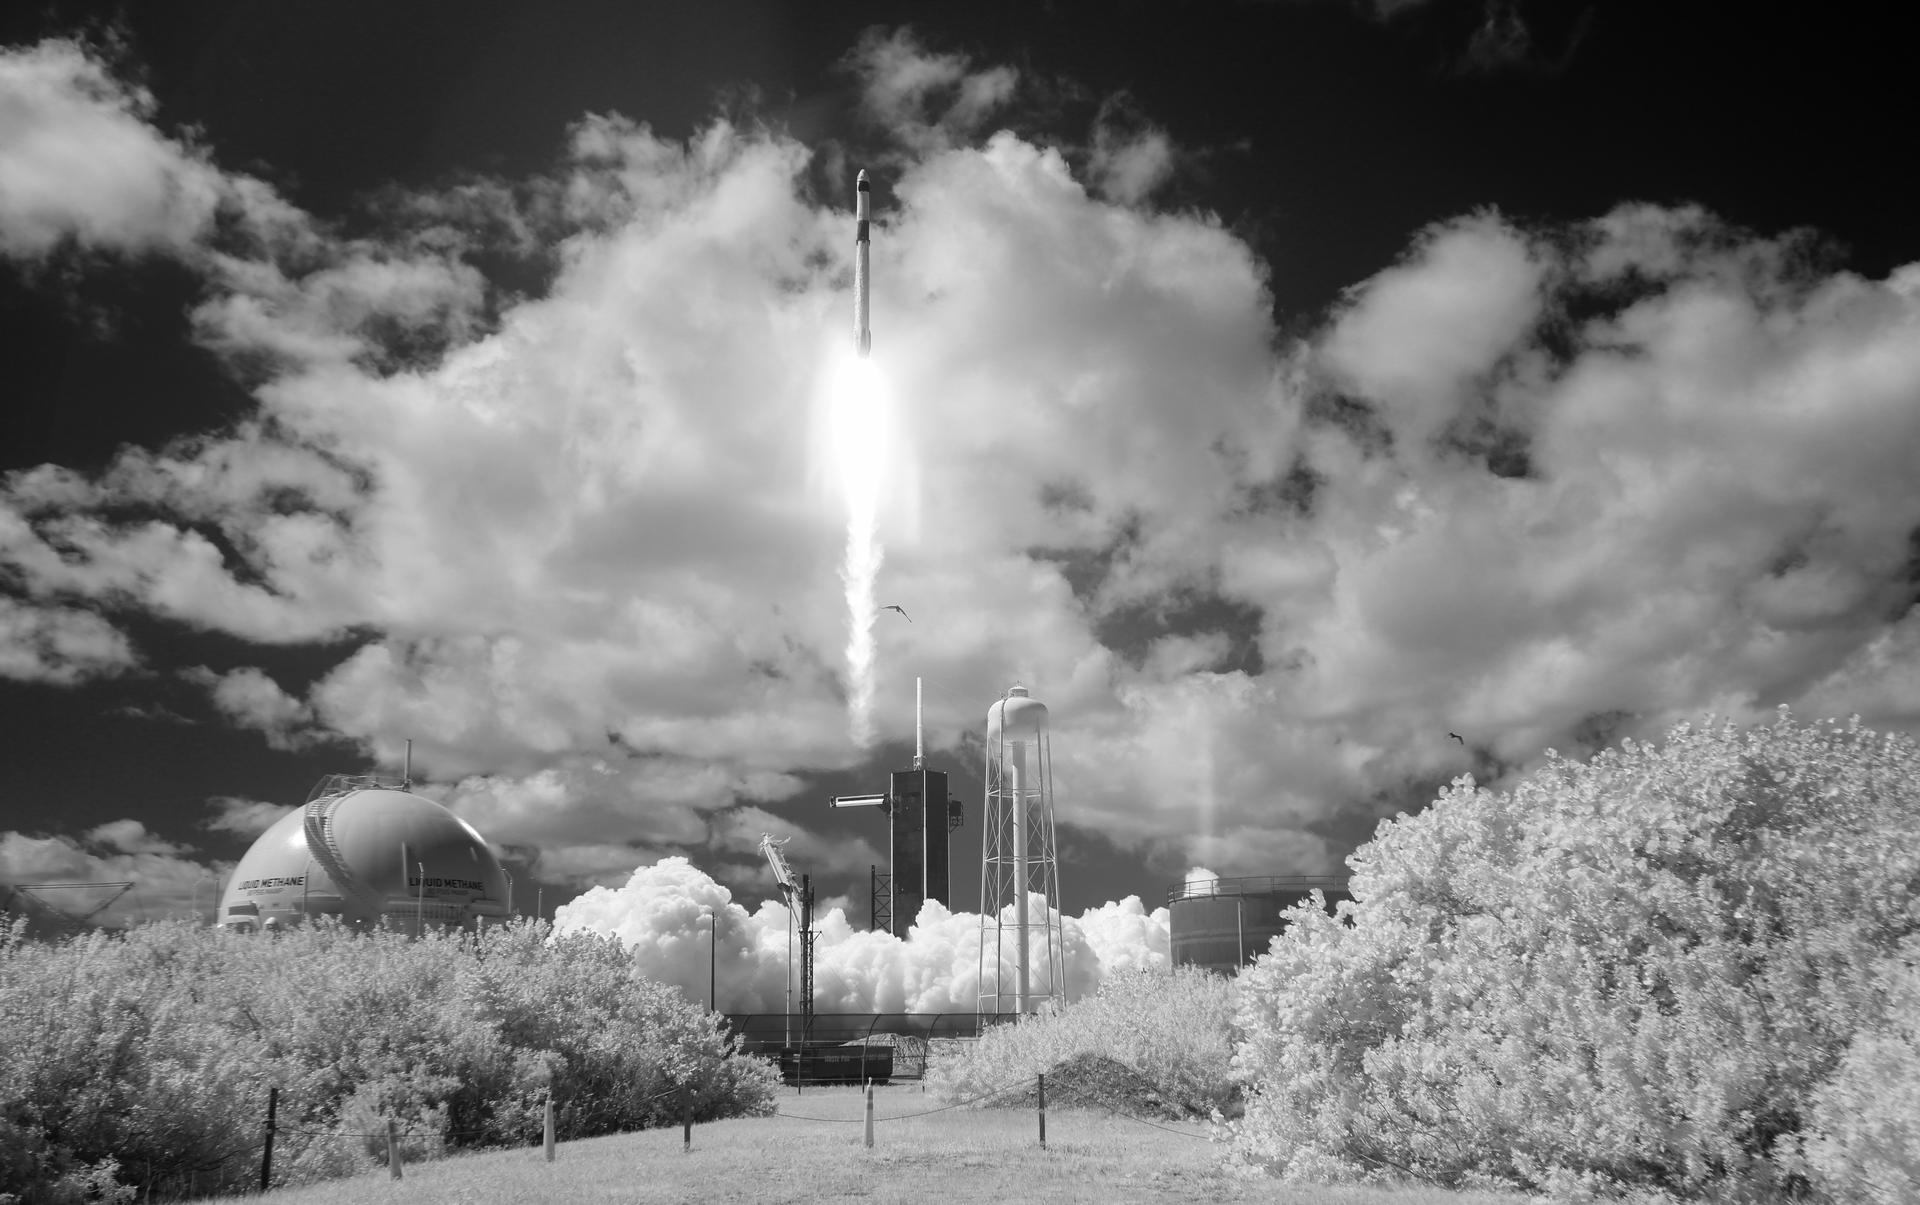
(244, 817)
(82, 160)
(60, 646)
(926, 99)
(132, 837)
(1537, 486)
(683, 928)
(250, 699)
(1130, 157)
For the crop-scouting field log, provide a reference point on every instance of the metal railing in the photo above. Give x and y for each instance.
(1255, 885)
(340, 784)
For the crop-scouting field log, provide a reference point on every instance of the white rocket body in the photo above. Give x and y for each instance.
(862, 208)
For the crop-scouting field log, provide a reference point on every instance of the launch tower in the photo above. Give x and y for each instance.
(921, 816)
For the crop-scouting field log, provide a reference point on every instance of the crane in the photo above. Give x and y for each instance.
(798, 895)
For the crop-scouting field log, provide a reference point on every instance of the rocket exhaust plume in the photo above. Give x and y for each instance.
(859, 447)
(857, 574)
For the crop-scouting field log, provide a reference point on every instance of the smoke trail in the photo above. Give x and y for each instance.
(860, 443)
(857, 574)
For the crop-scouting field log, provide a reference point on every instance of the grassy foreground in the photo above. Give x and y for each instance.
(957, 1155)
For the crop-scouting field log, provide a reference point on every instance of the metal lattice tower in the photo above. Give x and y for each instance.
(881, 886)
(1022, 947)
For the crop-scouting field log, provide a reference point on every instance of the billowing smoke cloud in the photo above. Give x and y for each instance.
(662, 915)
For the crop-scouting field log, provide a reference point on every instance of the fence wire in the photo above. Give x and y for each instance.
(414, 1131)
(958, 1104)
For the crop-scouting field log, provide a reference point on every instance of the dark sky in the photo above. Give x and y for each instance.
(1324, 137)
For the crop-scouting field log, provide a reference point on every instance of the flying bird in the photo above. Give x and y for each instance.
(1456, 736)
(899, 608)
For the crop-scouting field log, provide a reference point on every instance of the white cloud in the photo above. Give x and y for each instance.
(250, 699)
(82, 161)
(925, 99)
(60, 646)
(245, 817)
(1416, 338)
(132, 837)
(1130, 157)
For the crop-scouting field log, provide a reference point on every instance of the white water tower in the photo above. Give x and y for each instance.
(1022, 947)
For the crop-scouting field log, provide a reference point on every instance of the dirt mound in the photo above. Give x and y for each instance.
(1089, 1080)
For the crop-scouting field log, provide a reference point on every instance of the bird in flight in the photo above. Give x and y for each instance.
(1456, 736)
(899, 608)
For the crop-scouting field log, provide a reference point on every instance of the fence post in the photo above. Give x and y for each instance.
(266, 1152)
(1043, 1110)
(393, 1148)
(869, 1113)
(549, 1126)
(686, 1120)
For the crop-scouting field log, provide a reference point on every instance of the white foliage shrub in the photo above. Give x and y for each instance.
(145, 1059)
(1175, 1031)
(1633, 976)
(1866, 1120)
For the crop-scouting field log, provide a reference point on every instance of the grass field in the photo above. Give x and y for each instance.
(954, 1156)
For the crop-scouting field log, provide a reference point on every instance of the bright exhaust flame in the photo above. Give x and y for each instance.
(860, 459)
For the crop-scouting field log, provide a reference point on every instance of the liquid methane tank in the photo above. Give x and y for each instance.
(369, 851)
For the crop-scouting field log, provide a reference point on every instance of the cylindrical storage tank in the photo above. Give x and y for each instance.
(1224, 924)
(372, 854)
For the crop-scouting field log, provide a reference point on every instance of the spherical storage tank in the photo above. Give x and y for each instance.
(372, 853)
(1224, 924)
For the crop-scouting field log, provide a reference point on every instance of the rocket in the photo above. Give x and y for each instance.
(862, 337)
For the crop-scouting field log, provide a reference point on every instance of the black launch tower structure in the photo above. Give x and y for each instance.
(921, 816)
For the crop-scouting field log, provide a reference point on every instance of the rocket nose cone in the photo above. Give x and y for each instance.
(860, 181)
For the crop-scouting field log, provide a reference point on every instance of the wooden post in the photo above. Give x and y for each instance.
(549, 1134)
(686, 1119)
(869, 1113)
(1043, 1110)
(393, 1148)
(266, 1152)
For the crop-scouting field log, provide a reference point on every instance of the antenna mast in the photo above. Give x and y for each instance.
(919, 735)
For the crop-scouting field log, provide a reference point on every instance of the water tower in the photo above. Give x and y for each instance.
(1020, 935)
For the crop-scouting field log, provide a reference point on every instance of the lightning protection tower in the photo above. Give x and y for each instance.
(1018, 871)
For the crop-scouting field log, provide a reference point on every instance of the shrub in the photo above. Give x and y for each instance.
(1865, 1144)
(1625, 976)
(1174, 1033)
(157, 1048)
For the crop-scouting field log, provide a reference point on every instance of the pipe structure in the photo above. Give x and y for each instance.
(1022, 869)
